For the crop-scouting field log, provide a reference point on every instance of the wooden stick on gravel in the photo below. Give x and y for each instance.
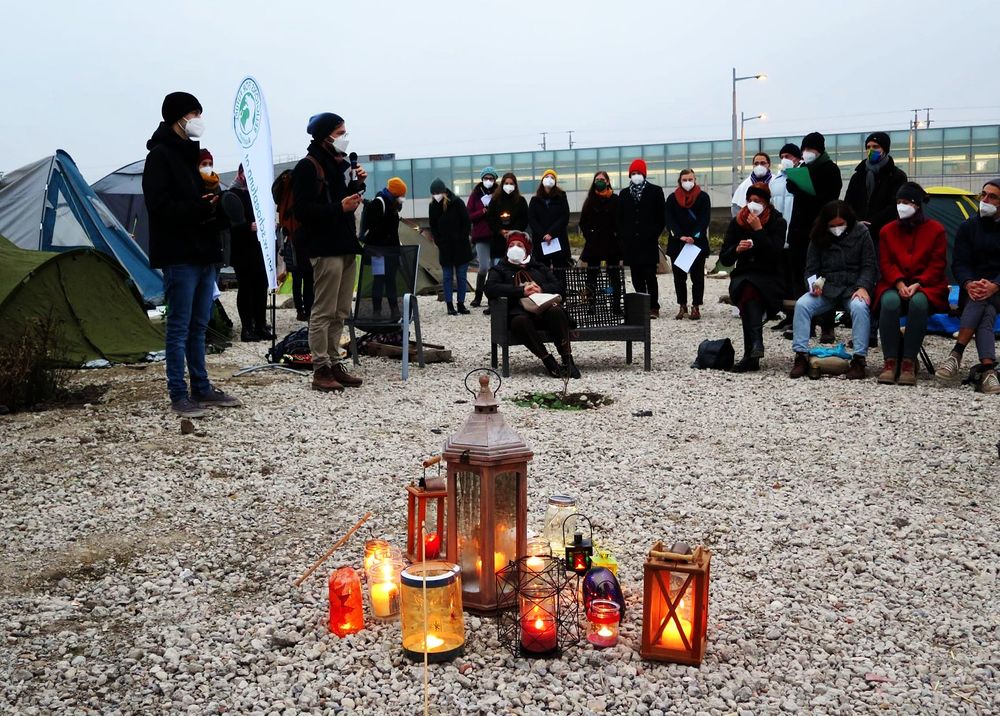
(333, 549)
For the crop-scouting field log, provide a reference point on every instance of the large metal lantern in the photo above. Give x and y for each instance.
(675, 604)
(487, 466)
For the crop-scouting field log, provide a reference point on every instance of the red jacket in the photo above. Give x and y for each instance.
(915, 255)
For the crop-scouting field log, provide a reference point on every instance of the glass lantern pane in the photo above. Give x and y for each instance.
(467, 491)
(505, 516)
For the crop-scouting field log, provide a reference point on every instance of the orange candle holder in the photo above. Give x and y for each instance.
(675, 604)
(347, 612)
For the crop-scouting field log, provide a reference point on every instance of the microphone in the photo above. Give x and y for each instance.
(353, 158)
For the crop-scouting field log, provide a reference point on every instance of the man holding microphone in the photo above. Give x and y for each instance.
(327, 191)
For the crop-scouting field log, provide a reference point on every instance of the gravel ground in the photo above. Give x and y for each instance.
(854, 530)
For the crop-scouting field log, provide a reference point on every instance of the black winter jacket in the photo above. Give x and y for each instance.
(380, 219)
(691, 222)
(549, 215)
(506, 212)
(501, 281)
(599, 226)
(826, 180)
(326, 229)
(640, 225)
(183, 227)
(880, 208)
(847, 263)
(761, 265)
(977, 251)
(450, 226)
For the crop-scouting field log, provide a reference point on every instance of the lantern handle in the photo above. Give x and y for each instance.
(482, 370)
(577, 514)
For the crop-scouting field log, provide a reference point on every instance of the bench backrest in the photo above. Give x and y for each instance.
(593, 296)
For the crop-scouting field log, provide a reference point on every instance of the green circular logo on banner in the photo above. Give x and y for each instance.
(247, 112)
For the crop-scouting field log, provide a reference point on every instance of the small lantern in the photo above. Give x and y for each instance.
(347, 614)
(375, 551)
(487, 466)
(383, 589)
(538, 612)
(580, 550)
(432, 619)
(429, 495)
(675, 604)
(603, 618)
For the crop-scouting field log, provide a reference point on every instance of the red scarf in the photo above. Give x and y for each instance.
(687, 198)
(744, 213)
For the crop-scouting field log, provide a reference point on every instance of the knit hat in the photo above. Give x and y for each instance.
(513, 236)
(759, 189)
(792, 149)
(637, 165)
(322, 125)
(552, 172)
(911, 191)
(881, 139)
(488, 171)
(994, 182)
(438, 187)
(205, 154)
(396, 187)
(814, 140)
(178, 104)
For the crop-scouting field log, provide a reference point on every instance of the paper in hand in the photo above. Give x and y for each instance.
(685, 259)
(551, 247)
(487, 198)
(378, 265)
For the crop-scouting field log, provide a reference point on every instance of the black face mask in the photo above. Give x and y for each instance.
(600, 185)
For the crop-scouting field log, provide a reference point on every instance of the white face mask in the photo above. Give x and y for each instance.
(787, 163)
(340, 143)
(548, 182)
(838, 230)
(207, 171)
(437, 197)
(987, 209)
(516, 254)
(400, 199)
(194, 127)
(755, 207)
(637, 179)
(687, 185)
(809, 156)
(760, 170)
(488, 183)
(905, 211)
(508, 188)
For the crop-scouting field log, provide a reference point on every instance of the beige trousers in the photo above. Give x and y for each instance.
(333, 285)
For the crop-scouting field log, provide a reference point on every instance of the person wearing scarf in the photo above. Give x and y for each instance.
(688, 211)
(380, 222)
(207, 170)
(912, 259)
(640, 222)
(753, 246)
(760, 174)
(871, 192)
(602, 246)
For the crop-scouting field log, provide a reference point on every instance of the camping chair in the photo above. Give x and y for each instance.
(386, 298)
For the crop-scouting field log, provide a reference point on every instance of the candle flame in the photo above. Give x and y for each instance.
(433, 642)
(604, 631)
(539, 624)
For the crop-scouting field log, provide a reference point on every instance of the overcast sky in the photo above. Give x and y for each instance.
(443, 78)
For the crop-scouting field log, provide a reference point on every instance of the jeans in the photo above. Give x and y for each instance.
(917, 310)
(458, 275)
(483, 256)
(982, 316)
(808, 306)
(188, 290)
(333, 279)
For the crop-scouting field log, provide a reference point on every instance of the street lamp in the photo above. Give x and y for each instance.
(735, 178)
(743, 139)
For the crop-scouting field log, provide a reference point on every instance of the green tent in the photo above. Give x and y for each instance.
(96, 308)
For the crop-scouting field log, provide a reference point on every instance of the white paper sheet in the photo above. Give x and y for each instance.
(487, 198)
(551, 247)
(686, 257)
(378, 265)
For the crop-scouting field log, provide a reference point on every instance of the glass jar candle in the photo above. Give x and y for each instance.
(602, 623)
(559, 508)
(538, 624)
(347, 614)
(375, 550)
(431, 611)
(383, 589)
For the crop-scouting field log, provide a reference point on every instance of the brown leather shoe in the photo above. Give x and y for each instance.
(800, 366)
(340, 374)
(695, 314)
(888, 374)
(654, 313)
(857, 369)
(682, 312)
(908, 372)
(323, 380)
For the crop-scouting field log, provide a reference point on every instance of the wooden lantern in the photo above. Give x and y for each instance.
(487, 467)
(429, 495)
(675, 604)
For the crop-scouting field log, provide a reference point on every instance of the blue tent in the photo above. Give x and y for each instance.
(47, 206)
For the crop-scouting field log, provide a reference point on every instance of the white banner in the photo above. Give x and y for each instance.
(253, 133)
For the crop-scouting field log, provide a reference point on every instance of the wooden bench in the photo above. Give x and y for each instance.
(598, 308)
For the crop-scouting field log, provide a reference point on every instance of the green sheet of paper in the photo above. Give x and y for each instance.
(800, 175)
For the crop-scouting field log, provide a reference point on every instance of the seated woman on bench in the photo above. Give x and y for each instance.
(517, 277)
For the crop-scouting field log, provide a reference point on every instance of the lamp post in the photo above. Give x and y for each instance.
(735, 179)
(743, 139)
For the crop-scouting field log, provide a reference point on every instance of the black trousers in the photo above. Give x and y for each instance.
(525, 326)
(697, 276)
(251, 295)
(302, 286)
(385, 285)
(644, 281)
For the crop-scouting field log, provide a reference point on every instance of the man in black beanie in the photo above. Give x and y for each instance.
(185, 242)
(326, 191)
(872, 189)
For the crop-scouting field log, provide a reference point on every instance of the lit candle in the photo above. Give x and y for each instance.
(535, 564)
(538, 632)
(671, 637)
(604, 618)
(385, 600)
(499, 561)
(432, 545)
(433, 641)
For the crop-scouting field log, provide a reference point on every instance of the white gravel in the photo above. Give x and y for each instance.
(854, 530)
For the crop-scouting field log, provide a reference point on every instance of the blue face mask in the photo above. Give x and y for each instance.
(874, 155)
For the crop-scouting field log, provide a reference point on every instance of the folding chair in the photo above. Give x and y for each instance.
(386, 298)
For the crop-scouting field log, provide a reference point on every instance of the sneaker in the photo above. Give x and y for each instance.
(990, 384)
(800, 366)
(187, 408)
(857, 369)
(346, 379)
(949, 369)
(888, 374)
(215, 398)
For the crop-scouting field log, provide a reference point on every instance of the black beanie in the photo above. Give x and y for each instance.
(759, 189)
(814, 140)
(322, 125)
(911, 191)
(792, 149)
(178, 104)
(438, 187)
(881, 139)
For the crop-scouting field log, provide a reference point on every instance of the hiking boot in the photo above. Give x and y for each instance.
(552, 366)
(463, 310)
(949, 369)
(569, 367)
(451, 309)
(215, 398)
(888, 374)
(323, 379)
(990, 382)
(187, 408)
(477, 301)
(341, 375)
(682, 313)
(695, 314)
(800, 366)
(908, 372)
(857, 369)
(828, 336)
(747, 365)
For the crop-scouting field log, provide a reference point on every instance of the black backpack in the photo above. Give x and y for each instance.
(718, 355)
(293, 349)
